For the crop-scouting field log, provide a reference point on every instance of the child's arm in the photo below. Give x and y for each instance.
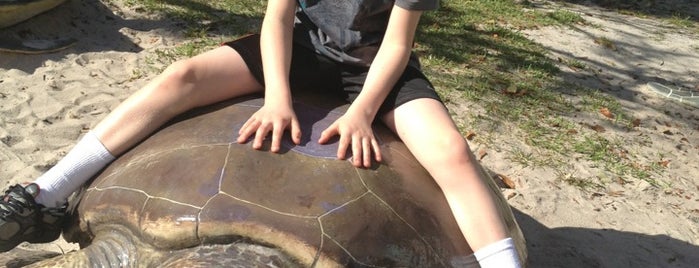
(277, 113)
(354, 127)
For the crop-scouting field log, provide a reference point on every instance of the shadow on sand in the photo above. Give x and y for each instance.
(585, 247)
(98, 28)
(682, 9)
(472, 40)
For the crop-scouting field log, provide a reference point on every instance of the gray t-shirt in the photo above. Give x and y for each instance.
(348, 31)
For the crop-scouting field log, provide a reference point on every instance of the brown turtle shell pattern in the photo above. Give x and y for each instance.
(191, 184)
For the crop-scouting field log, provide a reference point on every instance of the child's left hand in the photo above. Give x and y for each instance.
(355, 130)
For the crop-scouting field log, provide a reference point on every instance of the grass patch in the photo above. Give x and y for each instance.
(474, 53)
(681, 21)
(574, 63)
(470, 53)
(204, 23)
(584, 184)
(566, 17)
(605, 42)
(675, 13)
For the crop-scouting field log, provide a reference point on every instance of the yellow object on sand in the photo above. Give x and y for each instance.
(13, 12)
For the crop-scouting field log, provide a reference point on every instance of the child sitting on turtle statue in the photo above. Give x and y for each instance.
(358, 49)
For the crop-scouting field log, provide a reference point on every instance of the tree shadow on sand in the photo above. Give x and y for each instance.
(585, 247)
(684, 9)
(97, 27)
(632, 52)
(510, 52)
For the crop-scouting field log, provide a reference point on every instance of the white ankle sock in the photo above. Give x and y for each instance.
(499, 254)
(87, 158)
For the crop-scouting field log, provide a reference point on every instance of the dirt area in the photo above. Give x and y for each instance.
(634, 224)
(48, 101)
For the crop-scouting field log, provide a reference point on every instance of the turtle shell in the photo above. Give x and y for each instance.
(190, 184)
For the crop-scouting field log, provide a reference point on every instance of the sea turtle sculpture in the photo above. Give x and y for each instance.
(190, 196)
(16, 11)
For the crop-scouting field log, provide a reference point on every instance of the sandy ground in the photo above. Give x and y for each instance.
(47, 101)
(631, 225)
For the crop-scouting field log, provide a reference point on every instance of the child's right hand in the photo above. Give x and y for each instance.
(274, 118)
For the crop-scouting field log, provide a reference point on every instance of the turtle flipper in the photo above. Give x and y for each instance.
(37, 46)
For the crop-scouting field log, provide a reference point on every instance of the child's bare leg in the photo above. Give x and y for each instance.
(428, 131)
(211, 77)
(204, 79)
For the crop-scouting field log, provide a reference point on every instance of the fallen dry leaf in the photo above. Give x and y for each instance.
(470, 135)
(594, 127)
(636, 122)
(621, 181)
(623, 154)
(606, 113)
(598, 128)
(507, 181)
(482, 153)
(616, 193)
(664, 163)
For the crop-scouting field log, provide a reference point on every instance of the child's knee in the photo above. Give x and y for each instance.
(180, 72)
(449, 150)
(175, 82)
(455, 146)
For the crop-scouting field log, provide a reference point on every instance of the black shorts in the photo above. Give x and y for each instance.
(312, 71)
